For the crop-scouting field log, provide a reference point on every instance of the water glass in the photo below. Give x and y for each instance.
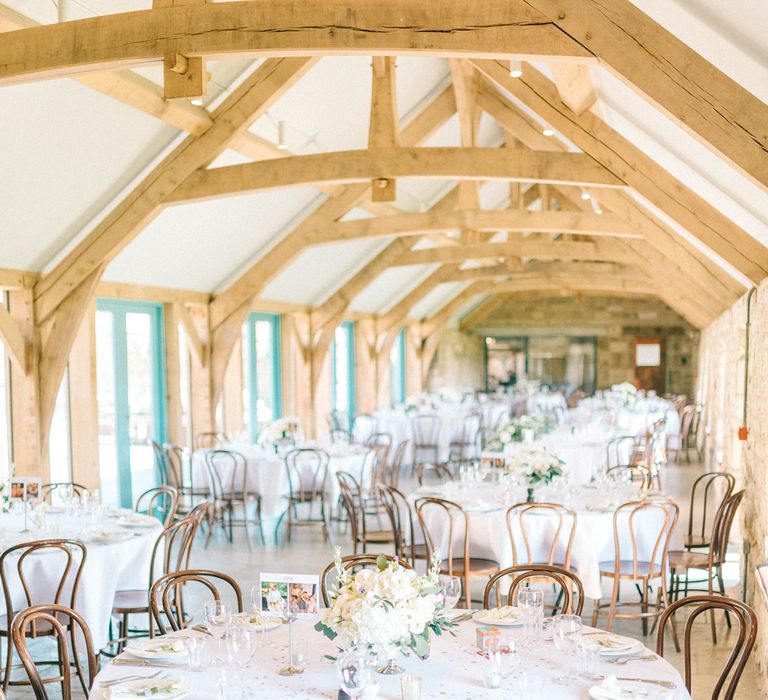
(566, 632)
(299, 654)
(503, 656)
(353, 672)
(491, 677)
(199, 649)
(238, 646)
(410, 687)
(589, 655)
(450, 587)
(530, 602)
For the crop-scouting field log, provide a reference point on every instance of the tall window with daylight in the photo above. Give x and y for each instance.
(343, 369)
(261, 357)
(59, 442)
(397, 369)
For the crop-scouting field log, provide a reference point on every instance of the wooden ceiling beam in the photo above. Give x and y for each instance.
(533, 270)
(344, 167)
(384, 130)
(658, 234)
(256, 29)
(251, 99)
(574, 85)
(631, 165)
(516, 220)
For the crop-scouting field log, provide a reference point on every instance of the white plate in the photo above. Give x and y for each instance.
(629, 690)
(140, 521)
(512, 617)
(153, 648)
(244, 619)
(619, 646)
(110, 536)
(131, 690)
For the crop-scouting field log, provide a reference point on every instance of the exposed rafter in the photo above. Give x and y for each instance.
(384, 130)
(343, 167)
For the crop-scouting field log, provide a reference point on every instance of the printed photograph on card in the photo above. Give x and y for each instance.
(34, 486)
(18, 489)
(294, 594)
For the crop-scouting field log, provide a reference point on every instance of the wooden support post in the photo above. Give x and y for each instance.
(384, 129)
(183, 76)
(202, 409)
(172, 375)
(413, 375)
(83, 406)
(30, 447)
(369, 379)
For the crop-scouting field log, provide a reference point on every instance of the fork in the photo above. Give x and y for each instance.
(622, 660)
(133, 677)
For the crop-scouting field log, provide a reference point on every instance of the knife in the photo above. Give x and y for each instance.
(663, 684)
(143, 662)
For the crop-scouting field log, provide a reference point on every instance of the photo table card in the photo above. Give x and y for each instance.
(296, 594)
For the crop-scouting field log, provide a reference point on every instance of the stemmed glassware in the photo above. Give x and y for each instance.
(530, 602)
(566, 633)
(503, 656)
(450, 586)
(354, 673)
(218, 617)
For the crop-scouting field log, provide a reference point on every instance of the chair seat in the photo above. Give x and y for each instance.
(608, 568)
(130, 602)
(688, 560)
(697, 541)
(477, 566)
(378, 536)
(419, 551)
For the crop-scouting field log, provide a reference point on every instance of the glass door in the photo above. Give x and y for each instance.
(131, 392)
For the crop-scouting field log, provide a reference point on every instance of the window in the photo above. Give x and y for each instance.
(343, 368)
(397, 369)
(261, 356)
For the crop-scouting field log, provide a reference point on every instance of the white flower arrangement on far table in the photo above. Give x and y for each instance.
(536, 466)
(278, 430)
(386, 610)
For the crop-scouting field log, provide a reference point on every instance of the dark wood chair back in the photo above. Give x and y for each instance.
(571, 588)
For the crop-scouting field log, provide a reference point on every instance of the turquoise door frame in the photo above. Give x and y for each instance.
(397, 380)
(119, 309)
(253, 378)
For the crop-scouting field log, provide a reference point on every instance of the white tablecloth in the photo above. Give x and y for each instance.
(267, 473)
(453, 671)
(489, 539)
(108, 569)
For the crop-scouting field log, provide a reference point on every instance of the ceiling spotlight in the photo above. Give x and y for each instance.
(197, 101)
(451, 234)
(585, 195)
(548, 132)
(516, 69)
(598, 211)
(281, 135)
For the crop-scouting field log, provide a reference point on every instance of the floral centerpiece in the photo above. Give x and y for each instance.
(517, 430)
(419, 402)
(536, 466)
(627, 393)
(385, 611)
(278, 431)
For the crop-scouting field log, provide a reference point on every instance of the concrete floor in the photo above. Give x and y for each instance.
(308, 553)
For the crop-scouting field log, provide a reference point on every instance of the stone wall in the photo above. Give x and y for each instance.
(616, 322)
(721, 390)
(459, 363)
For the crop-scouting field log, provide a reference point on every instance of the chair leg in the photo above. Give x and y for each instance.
(644, 606)
(722, 592)
(8, 662)
(614, 600)
(664, 599)
(595, 611)
(245, 527)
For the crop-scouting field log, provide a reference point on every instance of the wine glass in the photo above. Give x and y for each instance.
(450, 586)
(354, 673)
(566, 633)
(239, 646)
(503, 656)
(530, 601)
(218, 616)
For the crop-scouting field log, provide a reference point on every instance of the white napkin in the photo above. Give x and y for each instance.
(149, 688)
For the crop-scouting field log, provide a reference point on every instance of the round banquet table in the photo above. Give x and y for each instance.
(454, 671)
(489, 537)
(267, 476)
(109, 566)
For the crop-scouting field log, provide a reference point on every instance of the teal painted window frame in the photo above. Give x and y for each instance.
(253, 379)
(349, 329)
(119, 308)
(397, 372)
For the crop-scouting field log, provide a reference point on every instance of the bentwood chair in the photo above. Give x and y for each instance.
(680, 443)
(166, 598)
(426, 439)
(341, 436)
(179, 463)
(228, 484)
(160, 502)
(363, 427)
(631, 473)
(431, 473)
(68, 629)
(354, 503)
(647, 523)
(17, 570)
(711, 561)
(452, 520)
(560, 524)
(210, 440)
(61, 489)
(398, 460)
(352, 563)
(728, 681)
(170, 553)
(400, 515)
(465, 444)
(571, 590)
(339, 420)
(621, 451)
(718, 486)
(307, 472)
